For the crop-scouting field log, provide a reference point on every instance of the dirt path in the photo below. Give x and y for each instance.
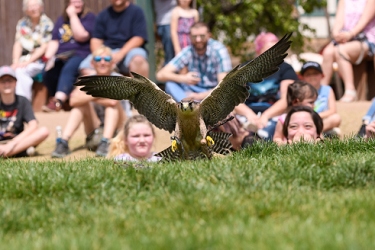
(76, 143)
(351, 114)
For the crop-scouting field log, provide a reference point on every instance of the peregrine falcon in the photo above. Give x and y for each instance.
(188, 119)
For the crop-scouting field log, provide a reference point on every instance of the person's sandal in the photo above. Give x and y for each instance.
(349, 96)
(54, 105)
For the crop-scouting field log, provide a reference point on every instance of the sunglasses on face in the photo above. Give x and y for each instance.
(194, 37)
(105, 58)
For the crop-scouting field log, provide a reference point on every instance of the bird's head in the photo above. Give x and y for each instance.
(188, 106)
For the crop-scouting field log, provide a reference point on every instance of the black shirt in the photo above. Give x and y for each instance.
(13, 116)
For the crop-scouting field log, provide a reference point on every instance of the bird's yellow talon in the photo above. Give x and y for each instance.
(174, 145)
(210, 141)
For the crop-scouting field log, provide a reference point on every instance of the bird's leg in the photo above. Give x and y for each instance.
(210, 141)
(207, 140)
(175, 143)
(176, 138)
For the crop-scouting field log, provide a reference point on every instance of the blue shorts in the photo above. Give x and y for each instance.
(371, 50)
(86, 63)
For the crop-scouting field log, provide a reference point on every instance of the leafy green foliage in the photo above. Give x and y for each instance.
(236, 20)
(266, 197)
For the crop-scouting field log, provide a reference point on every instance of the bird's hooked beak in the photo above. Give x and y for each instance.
(187, 106)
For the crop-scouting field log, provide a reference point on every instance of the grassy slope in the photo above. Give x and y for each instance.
(305, 196)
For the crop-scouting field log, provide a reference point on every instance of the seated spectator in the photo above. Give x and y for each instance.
(302, 124)
(325, 105)
(370, 130)
(299, 93)
(352, 19)
(70, 44)
(183, 17)
(368, 119)
(15, 139)
(207, 61)
(241, 138)
(122, 27)
(33, 32)
(135, 142)
(163, 10)
(85, 110)
(264, 96)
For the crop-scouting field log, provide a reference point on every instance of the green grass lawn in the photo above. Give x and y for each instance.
(266, 197)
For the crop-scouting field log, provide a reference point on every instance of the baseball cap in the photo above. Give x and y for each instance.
(6, 70)
(311, 65)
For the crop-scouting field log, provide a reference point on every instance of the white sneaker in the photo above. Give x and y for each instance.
(247, 125)
(30, 151)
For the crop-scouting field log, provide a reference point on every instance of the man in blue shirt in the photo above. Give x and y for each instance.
(207, 62)
(122, 27)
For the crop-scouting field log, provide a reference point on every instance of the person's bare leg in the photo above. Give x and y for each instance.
(90, 119)
(350, 51)
(85, 114)
(87, 72)
(328, 60)
(331, 122)
(74, 120)
(122, 117)
(139, 65)
(346, 68)
(111, 120)
(33, 139)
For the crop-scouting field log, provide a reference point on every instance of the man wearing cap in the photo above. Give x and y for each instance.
(15, 139)
(311, 65)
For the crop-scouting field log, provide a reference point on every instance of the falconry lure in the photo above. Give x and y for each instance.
(188, 119)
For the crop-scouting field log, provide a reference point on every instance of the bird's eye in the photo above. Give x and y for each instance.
(191, 105)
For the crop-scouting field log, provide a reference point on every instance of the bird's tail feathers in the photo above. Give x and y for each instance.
(222, 144)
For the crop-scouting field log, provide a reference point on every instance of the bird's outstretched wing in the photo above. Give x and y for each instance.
(152, 102)
(233, 90)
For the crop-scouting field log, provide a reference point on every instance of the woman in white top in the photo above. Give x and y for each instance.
(33, 32)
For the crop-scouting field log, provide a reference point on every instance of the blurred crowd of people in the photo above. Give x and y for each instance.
(286, 107)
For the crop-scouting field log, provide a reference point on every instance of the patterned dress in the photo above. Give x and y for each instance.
(353, 12)
(183, 30)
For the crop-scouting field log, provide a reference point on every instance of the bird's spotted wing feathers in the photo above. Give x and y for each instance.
(157, 106)
(233, 90)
